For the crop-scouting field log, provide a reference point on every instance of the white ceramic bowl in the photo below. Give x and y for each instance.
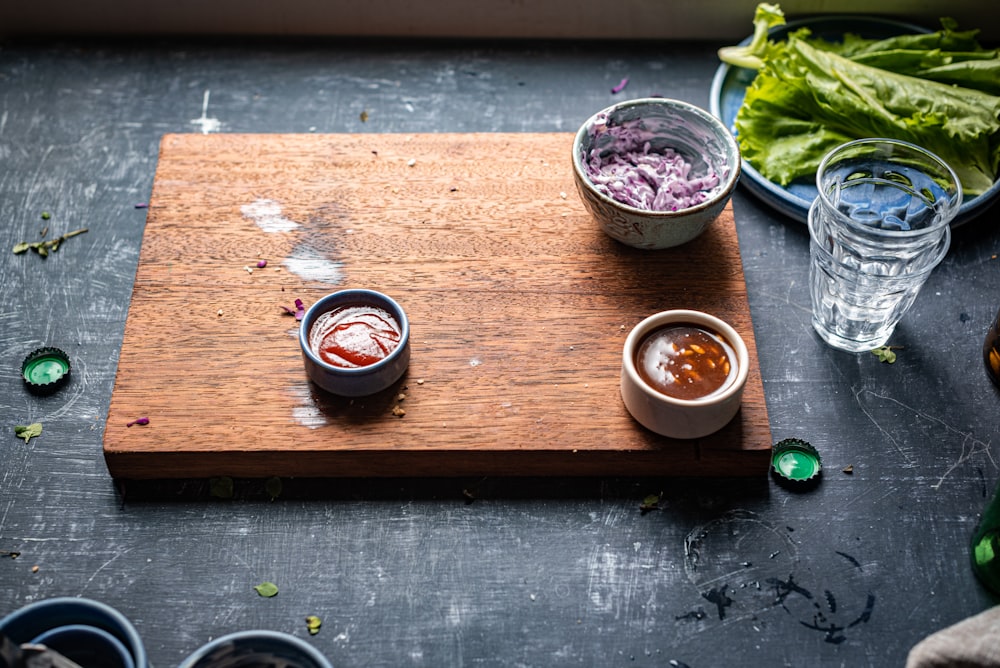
(682, 418)
(698, 136)
(362, 380)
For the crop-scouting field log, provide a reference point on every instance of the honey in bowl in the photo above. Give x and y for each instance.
(354, 335)
(686, 361)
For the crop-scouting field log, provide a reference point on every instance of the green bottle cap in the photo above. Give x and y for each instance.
(795, 461)
(45, 370)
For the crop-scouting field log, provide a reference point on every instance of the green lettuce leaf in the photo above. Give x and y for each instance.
(806, 100)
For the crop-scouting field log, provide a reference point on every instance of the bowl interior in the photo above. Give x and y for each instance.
(664, 124)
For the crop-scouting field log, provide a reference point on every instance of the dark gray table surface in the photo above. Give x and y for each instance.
(475, 572)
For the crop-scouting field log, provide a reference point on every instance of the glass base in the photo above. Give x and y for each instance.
(850, 345)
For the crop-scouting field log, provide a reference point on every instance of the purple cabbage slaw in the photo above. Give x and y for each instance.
(623, 166)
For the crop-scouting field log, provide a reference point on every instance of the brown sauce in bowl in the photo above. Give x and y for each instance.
(686, 361)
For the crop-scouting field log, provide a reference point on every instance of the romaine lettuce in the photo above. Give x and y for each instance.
(807, 98)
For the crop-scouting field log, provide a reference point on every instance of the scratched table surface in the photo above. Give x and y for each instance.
(470, 571)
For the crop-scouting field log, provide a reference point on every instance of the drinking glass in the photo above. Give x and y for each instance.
(879, 226)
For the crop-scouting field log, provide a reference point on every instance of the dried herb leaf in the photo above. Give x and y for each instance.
(273, 487)
(28, 431)
(221, 488)
(885, 354)
(651, 502)
(313, 623)
(267, 589)
(43, 247)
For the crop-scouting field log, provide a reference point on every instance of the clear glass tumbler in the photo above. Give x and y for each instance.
(880, 224)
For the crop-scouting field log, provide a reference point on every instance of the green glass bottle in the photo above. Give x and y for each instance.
(985, 547)
(991, 350)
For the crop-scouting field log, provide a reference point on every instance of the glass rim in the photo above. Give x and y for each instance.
(954, 202)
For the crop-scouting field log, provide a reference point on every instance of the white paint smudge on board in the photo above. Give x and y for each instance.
(266, 213)
(305, 411)
(311, 265)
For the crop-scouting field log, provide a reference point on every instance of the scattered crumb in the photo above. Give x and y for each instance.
(400, 397)
(398, 412)
(563, 195)
(248, 269)
(34, 569)
(411, 162)
(420, 381)
(849, 469)
(219, 312)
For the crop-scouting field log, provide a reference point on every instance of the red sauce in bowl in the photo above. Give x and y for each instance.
(354, 335)
(686, 361)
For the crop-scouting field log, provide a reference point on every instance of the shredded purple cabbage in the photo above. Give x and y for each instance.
(623, 166)
(298, 312)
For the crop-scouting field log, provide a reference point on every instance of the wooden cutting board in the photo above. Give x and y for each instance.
(519, 307)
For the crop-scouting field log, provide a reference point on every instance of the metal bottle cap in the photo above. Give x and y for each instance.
(45, 370)
(795, 461)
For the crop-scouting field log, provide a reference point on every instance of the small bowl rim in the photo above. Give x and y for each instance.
(77, 610)
(722, 133)
(238, 638)
(349, 295)
(670, 316)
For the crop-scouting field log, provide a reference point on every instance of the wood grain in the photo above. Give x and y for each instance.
(518, 304)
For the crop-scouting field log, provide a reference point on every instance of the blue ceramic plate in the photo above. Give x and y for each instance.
(730, 85)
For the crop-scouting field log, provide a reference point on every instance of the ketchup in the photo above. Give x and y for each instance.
(354, 335)
(686, 361)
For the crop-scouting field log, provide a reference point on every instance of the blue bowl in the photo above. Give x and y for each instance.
(87, 646)
(256, 649)
(78, 627)
(361, 380)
